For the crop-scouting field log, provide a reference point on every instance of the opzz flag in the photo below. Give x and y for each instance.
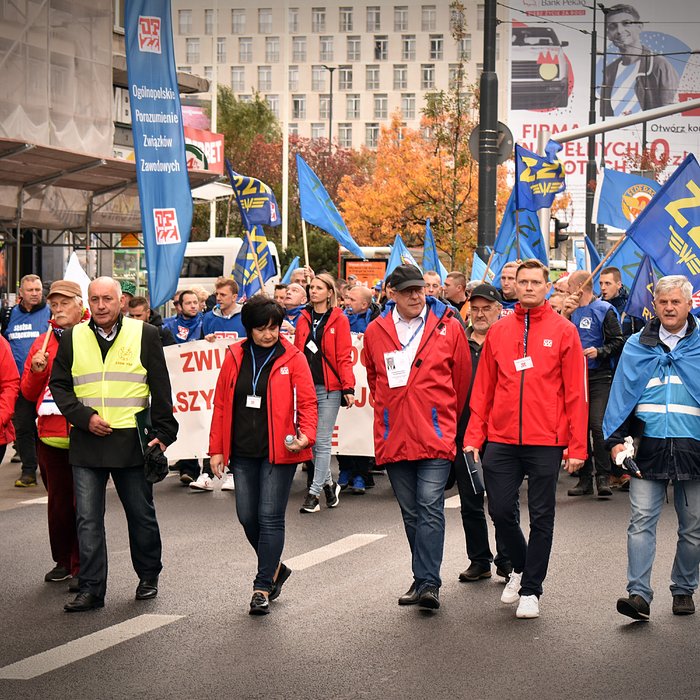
(256, 200)
(538, 179)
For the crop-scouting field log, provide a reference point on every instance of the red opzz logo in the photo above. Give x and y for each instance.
(149, 34)
(167, 230)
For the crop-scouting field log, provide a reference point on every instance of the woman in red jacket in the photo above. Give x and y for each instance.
(263, 425)
(9, 388)
(323, 335)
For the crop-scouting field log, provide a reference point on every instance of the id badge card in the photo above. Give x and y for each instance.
(252, 401)
(523, 363)
(397, 368)
(312, 346)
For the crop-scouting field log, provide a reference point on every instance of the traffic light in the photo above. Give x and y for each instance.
(559, 237)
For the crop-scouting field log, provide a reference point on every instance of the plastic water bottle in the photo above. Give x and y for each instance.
(288, 440)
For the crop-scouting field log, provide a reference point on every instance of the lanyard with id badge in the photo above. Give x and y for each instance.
(253, 400)
(311, 342)
(524, 362)
(398, 362)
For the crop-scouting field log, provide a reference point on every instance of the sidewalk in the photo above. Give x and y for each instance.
(11, 496)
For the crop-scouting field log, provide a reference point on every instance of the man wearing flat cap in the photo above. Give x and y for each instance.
(419, 371)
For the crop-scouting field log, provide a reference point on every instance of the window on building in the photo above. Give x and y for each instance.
(345, 78)
(352, 107)
(345, 135)
(245, 98)
(318, 78)
(192, 50)
(184, 69)
(221, 49)
(354, 45)
(400, 77)
(293, 79)
(238, 78)
(408, 47)
(371, 135)
(453, 75)
(208, 73)
(318, 19)
(408, 106)
(456, 17)
(264, 20)
(372, 78)
(345, 19)
(272, 49)
(465, 47)
(428, 18)
(184, 21)
(299, 49)
(480, 16)
(325, 51)
(498, 46)
(293, 129)
(324, 106)
(293, 20)
(400, 18)
(427, 76)
(273, 102)
(381, 106)
(436, 47)
(374, 23)
(479, 70)
(208, 22)
(318, 131)
(264, 78)
(381, 48)
(245, 49)
(237, 21)
(298, 106)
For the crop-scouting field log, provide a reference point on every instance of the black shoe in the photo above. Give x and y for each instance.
(332, 492)
(58, 573)
(603, 485)
(429, 598)
(259, 605)
(284, 573)
(635, 607)
(475, 572)
(683, 604)
(583, 488)
(504, 571)
(410, 597)
(310, 504)
(84, 602)
(186, 479)
(147, 588)
(74, 585)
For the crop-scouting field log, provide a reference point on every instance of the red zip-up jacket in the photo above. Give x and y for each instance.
(419, 420)
(546, 404)
(336, 344)
(9, 387)
(289, 371)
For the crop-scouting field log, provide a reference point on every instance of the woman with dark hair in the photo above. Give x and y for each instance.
(263, 425)
(323, 334)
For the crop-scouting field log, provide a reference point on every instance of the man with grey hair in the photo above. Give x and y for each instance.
(655, 398)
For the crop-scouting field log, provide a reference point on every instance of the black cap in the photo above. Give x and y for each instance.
(405, 276)
(487, 291)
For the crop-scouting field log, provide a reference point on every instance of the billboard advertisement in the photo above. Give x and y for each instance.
(643, 61)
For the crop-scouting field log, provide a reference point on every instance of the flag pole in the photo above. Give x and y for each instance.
(599, 266)
(251, 245)
(306, 249)
(488, 265)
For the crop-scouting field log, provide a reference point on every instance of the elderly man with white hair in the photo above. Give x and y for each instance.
(655, 398)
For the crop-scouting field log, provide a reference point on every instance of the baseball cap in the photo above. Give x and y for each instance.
(487, 291)
(128, 287)
(65, 288)
(405, 276)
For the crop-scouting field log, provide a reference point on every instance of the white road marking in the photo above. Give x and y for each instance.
(83, 647)
(330, 551)
(35, 501)
(452, 502)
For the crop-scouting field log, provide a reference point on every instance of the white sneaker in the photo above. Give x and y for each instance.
(228, 482)
(203, 483)
(510, 592)
(528, 608)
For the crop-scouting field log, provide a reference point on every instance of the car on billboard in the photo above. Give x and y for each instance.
(539, 69)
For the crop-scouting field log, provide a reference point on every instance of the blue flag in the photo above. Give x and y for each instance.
(253, 255)
(527, 225)
(288, 274)
(510, 255)
(318, 209)
(400, 255)
(592, 252)
(431, 260)
(640, 303)
(256, 201)
(580, 255)
(621, 197)
(668, 228)
(159, 144)
(538, 179)
(478, 269)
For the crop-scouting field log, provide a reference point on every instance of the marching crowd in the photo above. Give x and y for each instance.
(483, 386)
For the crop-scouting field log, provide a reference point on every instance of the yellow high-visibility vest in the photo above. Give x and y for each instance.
(116, 388)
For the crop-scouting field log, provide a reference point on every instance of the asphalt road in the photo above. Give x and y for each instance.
(336, 631)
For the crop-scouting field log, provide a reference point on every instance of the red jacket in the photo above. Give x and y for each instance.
(419, 420)
(35, 387)
(289, 371)
(546, 404)
(336, 345)
(9, 388)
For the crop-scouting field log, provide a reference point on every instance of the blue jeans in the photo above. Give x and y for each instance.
(136, 495)
(646, 501)
(262, 493)
(419, 487)
(328, 406)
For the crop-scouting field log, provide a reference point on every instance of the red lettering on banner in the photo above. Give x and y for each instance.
(187, 366)
(180, 402)
(192, 401)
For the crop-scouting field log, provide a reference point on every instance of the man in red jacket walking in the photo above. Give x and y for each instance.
(528, 402)
(419, 370)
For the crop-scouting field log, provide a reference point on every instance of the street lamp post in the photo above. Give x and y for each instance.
(330, 70)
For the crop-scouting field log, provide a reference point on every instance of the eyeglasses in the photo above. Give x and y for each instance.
(530, 283)
(477, 310)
